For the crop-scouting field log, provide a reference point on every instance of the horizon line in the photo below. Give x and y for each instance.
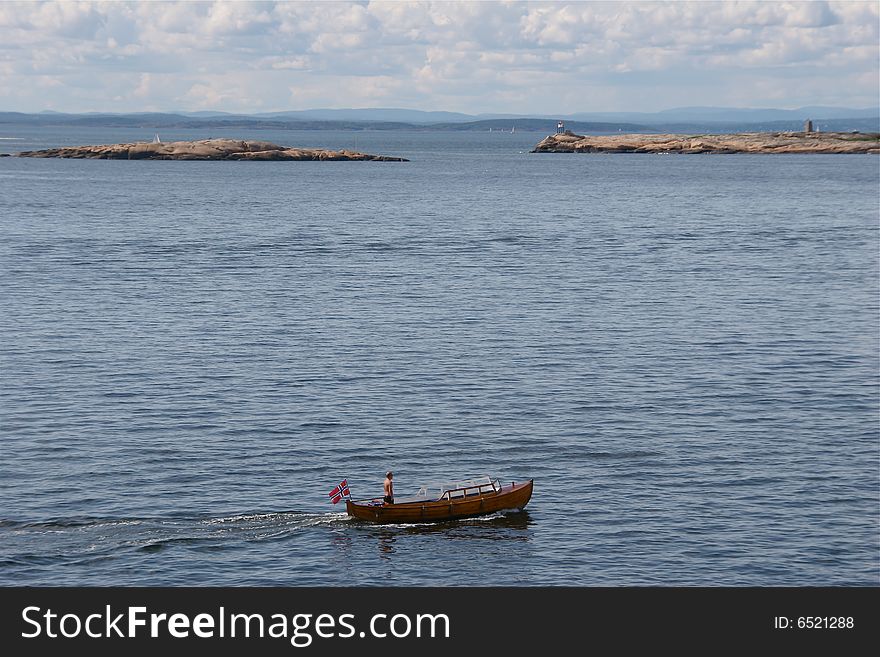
(444, 111)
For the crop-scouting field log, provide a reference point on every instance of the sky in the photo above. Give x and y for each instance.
(471, 57)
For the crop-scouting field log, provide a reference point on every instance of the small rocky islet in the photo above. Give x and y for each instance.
(206, 149)
(754, 142)
(564, 142)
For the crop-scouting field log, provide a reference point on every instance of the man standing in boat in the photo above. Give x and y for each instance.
(388, 485)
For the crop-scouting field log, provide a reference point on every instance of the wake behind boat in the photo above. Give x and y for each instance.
(445, 501)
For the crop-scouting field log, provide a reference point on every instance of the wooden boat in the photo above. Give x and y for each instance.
(449, 501)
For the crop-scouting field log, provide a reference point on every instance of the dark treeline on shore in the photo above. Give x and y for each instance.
(524, 124)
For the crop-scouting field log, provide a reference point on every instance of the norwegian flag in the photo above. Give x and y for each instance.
(339, 492)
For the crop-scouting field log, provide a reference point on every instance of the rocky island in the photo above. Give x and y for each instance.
(755, 142)
(206, 149)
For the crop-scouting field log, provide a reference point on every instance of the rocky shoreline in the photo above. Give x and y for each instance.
(206, 149)
(756, 142)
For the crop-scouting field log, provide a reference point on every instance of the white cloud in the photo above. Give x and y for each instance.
(467, 56)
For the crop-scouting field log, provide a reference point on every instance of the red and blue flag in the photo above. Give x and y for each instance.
(340, 491)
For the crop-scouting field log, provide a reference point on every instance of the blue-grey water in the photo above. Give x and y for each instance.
(682, 351)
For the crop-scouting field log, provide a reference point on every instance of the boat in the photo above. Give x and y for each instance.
(445, 501)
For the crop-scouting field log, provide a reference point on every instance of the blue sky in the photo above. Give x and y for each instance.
(518, 57)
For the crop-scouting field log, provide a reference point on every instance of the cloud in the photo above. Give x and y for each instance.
(467, 56)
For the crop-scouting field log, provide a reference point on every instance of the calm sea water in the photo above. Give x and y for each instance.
(682, 351)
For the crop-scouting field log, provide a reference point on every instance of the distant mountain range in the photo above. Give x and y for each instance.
(677, 115)
(683, 119)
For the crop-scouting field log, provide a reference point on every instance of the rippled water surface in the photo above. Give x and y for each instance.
(682, 351)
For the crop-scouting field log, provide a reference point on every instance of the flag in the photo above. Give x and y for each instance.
(339, 492)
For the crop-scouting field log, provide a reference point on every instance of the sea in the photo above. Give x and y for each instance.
(682, 351)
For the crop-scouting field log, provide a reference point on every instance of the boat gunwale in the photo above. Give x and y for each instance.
(370, 503)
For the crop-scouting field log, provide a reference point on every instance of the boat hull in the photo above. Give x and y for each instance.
(508, 498)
